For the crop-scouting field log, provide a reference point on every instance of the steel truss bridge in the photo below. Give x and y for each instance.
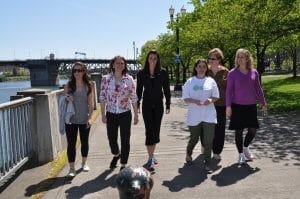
(44, 72)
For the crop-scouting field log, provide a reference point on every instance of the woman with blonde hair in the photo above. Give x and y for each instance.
(243, 89)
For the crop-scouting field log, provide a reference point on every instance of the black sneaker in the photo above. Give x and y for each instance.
(113, 163)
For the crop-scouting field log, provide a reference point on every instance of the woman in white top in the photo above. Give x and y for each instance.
(200, 92)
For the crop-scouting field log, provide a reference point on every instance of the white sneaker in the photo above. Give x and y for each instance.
(241, 159)
(154, 159)
(247, 153)
(217, 156)
(72, 173)
(85, 167)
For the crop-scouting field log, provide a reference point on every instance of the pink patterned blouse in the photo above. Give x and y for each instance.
(117, 96)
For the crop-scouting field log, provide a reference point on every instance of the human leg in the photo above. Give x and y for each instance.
(248, 139)
(84, 139)
(112, 126)
(208, 135)
(194, 138)
(71, 134)
(239, 145)
(218, 142)
(125, 132)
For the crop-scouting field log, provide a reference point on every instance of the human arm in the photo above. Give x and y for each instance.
(139, 89)
(90, 105)
(167, 91)
(69, 98)
(102, 99)
(134, 101)
(259, 92)
(214, 95)
(229, 94)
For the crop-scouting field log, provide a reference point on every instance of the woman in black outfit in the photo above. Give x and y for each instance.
(152, 85)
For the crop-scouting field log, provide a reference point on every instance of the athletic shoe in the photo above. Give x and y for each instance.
(122, 167)
(150, 165)
(85, 167)
(241, 159)
(114, 161)
(155, 160)
(72, 173)
(247, 153)
(217, 156)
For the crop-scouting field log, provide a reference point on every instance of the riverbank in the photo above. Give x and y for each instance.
(14, 78)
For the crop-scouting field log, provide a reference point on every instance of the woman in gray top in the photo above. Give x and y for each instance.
(79, 91)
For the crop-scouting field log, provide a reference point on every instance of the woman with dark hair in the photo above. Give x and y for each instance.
(200, 92)
(243, 89)
(152, 85)
(117, 94)
(79, 91)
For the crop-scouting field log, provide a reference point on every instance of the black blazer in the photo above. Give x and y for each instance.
(153, 89)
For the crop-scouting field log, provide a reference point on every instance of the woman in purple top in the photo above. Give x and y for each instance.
(243, 89)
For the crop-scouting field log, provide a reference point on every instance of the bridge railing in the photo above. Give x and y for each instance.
(16, 123)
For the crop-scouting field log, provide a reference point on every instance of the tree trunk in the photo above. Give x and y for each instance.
(294, 54)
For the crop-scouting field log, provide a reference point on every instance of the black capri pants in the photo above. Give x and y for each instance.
(152, 114)
(71, 133)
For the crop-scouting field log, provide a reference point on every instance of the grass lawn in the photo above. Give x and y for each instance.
(282, 93)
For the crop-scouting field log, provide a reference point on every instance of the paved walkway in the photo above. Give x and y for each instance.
(274, 173)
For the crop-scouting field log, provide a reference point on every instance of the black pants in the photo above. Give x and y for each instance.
(152, 115)
(114, 121)
(71, 133)
(219, 138)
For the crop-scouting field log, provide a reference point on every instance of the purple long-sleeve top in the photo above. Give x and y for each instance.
(244, 89)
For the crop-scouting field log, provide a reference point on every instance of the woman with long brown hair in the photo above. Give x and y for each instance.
(79, 91)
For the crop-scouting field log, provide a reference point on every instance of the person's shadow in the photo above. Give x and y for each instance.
(92, 186)
(190, 175)
(233, 173)
(46, 185)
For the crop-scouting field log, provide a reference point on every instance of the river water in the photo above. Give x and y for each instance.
(8, 89)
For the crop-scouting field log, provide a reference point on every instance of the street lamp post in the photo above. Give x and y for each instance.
(178, 86)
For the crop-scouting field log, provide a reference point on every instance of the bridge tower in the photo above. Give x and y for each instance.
(43, 72)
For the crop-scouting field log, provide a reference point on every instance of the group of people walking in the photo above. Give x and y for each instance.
(212, 94)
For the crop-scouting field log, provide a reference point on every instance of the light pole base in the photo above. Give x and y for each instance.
(178, 87)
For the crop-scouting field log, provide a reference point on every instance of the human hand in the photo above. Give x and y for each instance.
(264, 110)
(104, 120)
(89, 123)
(69, 98)
(207, 102)
(228, 112)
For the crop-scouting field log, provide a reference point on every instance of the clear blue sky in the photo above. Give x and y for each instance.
(32, 29)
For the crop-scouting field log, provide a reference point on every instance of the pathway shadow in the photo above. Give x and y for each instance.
(99, 183)
(189, 175)
(278, 138)
(233, 173)
(46, 185)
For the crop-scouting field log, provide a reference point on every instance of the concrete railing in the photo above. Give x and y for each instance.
(29, 128)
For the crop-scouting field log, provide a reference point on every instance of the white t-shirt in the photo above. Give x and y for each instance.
(200, 89)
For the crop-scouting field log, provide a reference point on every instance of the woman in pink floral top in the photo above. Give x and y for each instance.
(116, 97)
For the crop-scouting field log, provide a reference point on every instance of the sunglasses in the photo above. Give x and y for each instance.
(212, 58)
(77, 70)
